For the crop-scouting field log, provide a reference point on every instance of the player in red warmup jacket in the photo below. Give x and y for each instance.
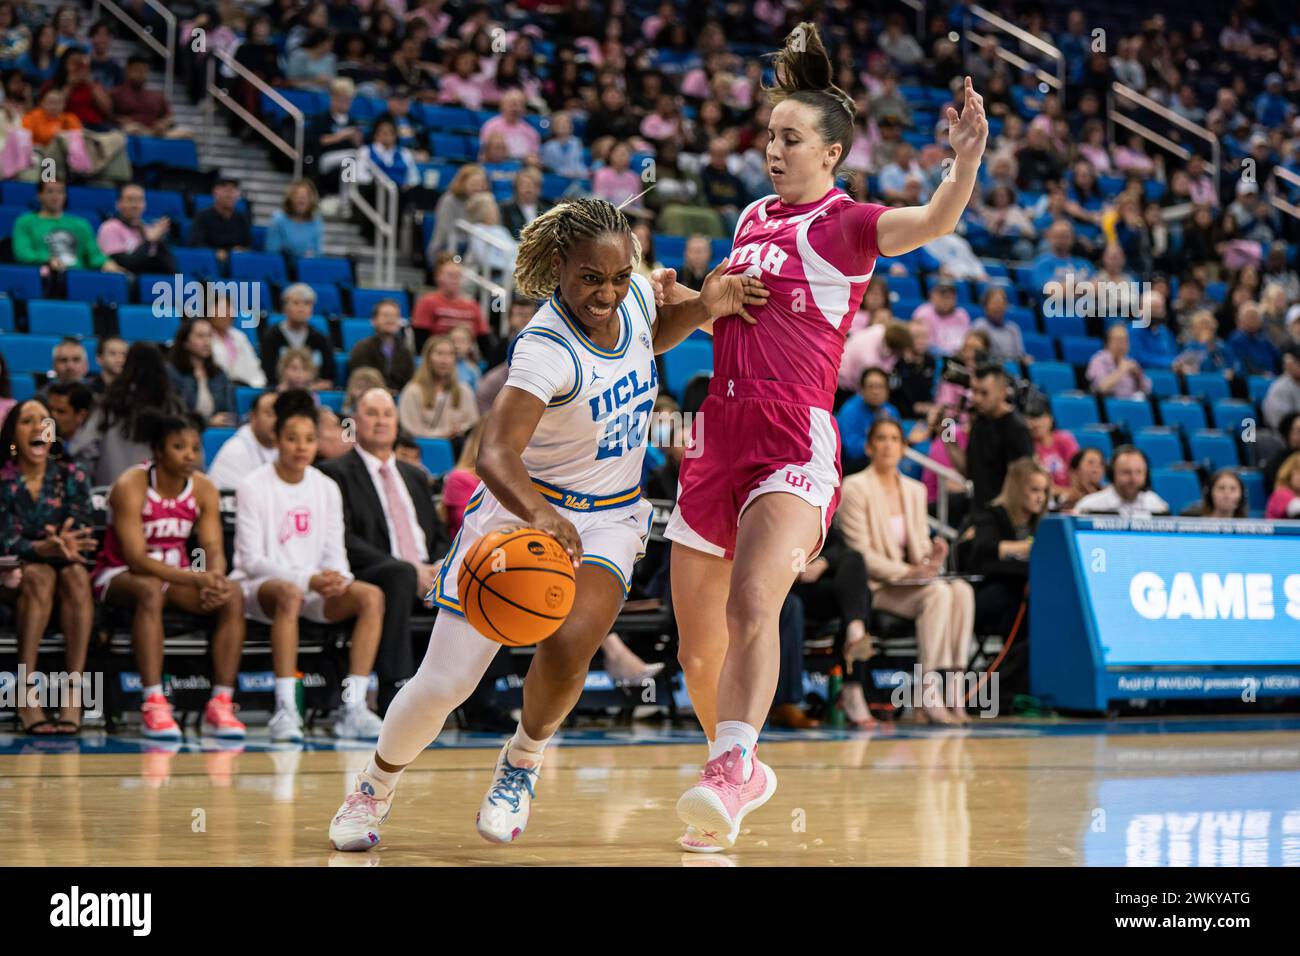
(761, 484)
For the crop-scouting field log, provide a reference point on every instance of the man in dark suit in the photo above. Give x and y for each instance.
(393, 535)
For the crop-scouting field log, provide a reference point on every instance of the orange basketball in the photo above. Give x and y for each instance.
(516, 587)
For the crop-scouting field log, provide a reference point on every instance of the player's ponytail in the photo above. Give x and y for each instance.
(556, 232)
(803, 74)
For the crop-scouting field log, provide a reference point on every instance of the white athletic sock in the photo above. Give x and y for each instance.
(736, 732)
(528, 750)
(219, 689)
(151, 690)
(384, 781)
(714, 751)
(354, 690)
(286, 693)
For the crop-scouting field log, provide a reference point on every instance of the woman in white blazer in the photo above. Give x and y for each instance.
(883, 515)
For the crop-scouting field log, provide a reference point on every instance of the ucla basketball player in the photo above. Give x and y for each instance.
(752, 511)
(562, 452)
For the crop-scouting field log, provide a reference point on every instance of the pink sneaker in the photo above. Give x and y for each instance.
(716, 805)
(158, 721)
(219, 719)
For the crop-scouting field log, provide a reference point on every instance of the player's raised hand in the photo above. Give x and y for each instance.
(662, 281)
(969, 132)
(728, 295)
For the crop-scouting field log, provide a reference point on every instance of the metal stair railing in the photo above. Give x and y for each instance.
(989, 20)
(145, 35)
(220, 94)
(1116, 117)
(383, 215)
(488, 288)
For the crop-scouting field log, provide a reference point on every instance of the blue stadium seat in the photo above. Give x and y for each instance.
(325, 271)
(56, 317)
(244, 398)
(86, 286)
(1038, 346)
(333, 399)
(1256, 496)
(21, 282)
(341, 365)
(173, 153)
(908, 287)
(328, 300)
(1132, 413)
(29, 353)
(354, 330)
(1208, 385)
(6, 314)
(436, 455)
(1024, 317)
(1101, 437)
(1229, 413)
(23, 387)
(137, 323)
(1161, 445)
(259, 265)
(147, 282)
(1216, 291)
(164, 202)
(1258, 386)
(198, 262)
(1187, 414)
(9, 215)
(1180, 487)
(1070, 409)
(1079, 349)
(683, 362)
(1214, 448)
(1164, 383)
(204, 200)
(1059, 326)
(18, 194)
(1052, 377)
(213, 439)
(363, 300)
(88, 201)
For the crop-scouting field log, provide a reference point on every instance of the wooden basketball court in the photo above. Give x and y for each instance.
(1002, 793)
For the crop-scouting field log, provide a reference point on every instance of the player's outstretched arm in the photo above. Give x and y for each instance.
(721, 295)
(899, 231)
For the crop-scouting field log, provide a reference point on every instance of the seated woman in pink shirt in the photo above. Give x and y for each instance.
(617, 182)
(1053, 447)
(1284, 502)
(877, 346)
(458, 484)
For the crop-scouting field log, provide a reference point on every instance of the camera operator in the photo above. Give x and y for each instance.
(998, 435)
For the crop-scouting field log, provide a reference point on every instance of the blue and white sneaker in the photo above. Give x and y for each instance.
(503, 814)
(356, 825)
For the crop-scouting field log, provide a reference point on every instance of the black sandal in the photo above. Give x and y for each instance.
(30, 729)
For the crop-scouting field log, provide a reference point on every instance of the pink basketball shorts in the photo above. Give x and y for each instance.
(751, 438)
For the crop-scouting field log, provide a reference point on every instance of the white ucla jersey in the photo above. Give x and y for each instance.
(589, 446)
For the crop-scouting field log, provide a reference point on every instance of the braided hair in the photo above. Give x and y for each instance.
(803, 74)
(557, 231)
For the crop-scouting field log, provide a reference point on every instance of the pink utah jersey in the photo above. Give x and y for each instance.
(167, 523)
(815, 259)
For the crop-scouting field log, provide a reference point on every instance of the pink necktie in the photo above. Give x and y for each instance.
(397, 510)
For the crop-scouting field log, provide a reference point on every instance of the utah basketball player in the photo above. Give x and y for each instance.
(756, 499)
(562, 452)
(145, 564)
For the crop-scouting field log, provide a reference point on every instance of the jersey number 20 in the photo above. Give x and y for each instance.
(625, 432)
